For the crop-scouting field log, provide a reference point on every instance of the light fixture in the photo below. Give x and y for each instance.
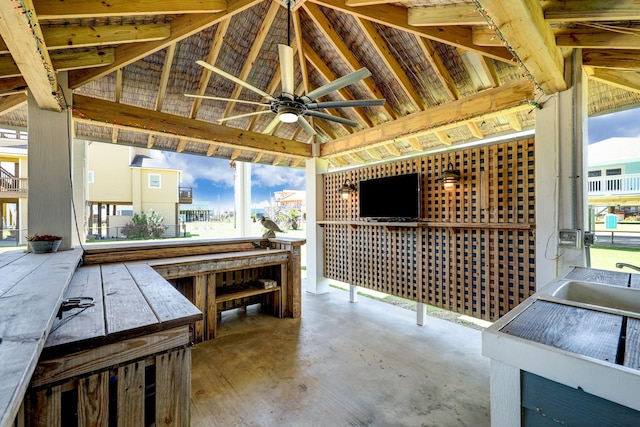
(347, 189)
(288, 114)
(449, 178)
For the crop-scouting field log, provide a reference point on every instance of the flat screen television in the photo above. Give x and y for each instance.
(390, 198)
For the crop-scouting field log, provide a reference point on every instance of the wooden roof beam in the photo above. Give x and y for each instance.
(181, 28)
(448, 14)
(78, 36)
(356, 3)
(392, 64)
(212, 57)
(492, 101)
(22, 34)
(627, 80)
(9, 103)
(522, 24)
(441, 71)
(514, 121)
(63, 61)
(67, 9)
(253, 54)
(414, 143)
(96, 110)
(397, 17)
(475, 130)
(182, 144)
(596, 39)
(345, 53)
(592, 10)
(611, 58)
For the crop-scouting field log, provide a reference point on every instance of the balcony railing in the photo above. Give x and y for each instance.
(13, 185)
(185, 195)
(615, 185)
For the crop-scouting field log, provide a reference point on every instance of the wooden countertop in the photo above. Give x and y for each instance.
(31, 291)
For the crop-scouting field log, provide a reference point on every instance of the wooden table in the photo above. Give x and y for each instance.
(31, 290)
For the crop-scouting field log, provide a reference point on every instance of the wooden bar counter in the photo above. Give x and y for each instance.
(102, 336)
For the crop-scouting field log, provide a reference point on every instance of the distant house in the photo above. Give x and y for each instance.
(120, 184)
(614, 172)
(13, 186)
(290, 199)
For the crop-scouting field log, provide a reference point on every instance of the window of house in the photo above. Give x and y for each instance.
(154, 180)
(90, 177)
(593, 174)
(613, 172)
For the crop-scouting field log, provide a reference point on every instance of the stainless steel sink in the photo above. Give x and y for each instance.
(595, 296)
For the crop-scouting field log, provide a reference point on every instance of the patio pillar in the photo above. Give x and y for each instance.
(561, 197)
(243, 199)
(50, 169)
(316, 282)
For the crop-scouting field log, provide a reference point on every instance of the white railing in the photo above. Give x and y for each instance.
(614, 185)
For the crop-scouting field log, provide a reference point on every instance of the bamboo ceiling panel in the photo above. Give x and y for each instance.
(473, 253)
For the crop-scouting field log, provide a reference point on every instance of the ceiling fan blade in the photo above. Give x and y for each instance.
(306, 126)
(218, 98)
(239, 116)
(272, 124)
(286, 70)
(235, 79)
(350, 103)
(331, 118)
(343, 81)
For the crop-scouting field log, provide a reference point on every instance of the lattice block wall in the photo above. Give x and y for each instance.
(472, 252)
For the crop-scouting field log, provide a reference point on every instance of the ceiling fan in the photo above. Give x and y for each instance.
(288, 107)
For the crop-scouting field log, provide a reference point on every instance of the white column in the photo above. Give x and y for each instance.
(243, 199)
(316, 282)
(80, 190)
(50, 170)
(560, 179)
(505, 395)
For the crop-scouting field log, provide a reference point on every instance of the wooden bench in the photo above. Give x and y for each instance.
(31, 291)
(134, 339)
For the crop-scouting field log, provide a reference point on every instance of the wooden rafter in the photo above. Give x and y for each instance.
(596, 39)
(475, 130)
(63, 61)
(492, 101)
(343, 50)
(627, 80)
(514, 121)
(439, 68)
(448, 14)
(55, 9)
(611, 58)
(324, 70)
(181, 28)
(212, 57)
(23, 36)
(397, 17)
(79, 37)
(144, 120)
(392, 64)
(356, 3)
(592, 11)
(414, 143)
(253, 54)
(11, 102)
(522, 24)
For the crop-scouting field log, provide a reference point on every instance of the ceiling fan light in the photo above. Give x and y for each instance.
(288, 115)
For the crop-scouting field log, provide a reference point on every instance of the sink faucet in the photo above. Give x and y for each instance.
(624, 264)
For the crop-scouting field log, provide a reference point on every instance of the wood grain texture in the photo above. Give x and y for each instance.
(93, 400)
(43, 408)
(173, 388)
(131, 388)
(577, 330)
(632, 347)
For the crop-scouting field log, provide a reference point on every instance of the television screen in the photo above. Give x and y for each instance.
(391, 197)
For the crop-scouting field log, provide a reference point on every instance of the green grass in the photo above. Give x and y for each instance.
(605, 258)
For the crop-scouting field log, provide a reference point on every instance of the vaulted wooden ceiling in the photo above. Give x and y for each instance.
(450, 71)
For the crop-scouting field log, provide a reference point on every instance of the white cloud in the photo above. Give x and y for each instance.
(277, 176)
(261, 205)
(194, 167)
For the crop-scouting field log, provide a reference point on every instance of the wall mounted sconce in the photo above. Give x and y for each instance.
(347, 189)
(449, 178)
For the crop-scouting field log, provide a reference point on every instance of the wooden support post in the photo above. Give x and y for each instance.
(422, 313)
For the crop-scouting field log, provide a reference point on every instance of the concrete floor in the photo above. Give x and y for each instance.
(341, 364)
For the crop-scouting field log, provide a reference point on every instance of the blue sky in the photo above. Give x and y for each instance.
(212, 179)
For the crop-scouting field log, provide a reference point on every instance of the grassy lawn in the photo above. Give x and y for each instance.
(605, 258)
